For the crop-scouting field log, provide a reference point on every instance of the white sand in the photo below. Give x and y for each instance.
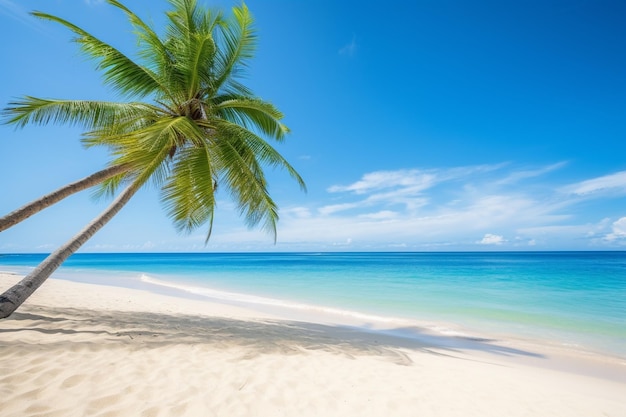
(86, 350)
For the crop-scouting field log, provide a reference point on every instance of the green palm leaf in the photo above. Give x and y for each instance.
(262, 152)
(189, 193)
(90, 114)
(242, 172)
(151, 49)
(239, 42)
(121, 72)
(253, 113)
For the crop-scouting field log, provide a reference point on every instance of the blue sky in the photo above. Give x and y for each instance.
(418, 126)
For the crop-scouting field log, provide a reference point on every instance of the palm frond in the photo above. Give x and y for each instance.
(121, 72)
(154, 168)
(193, 61)
(257, 148)
(152, 50)
(253, 113)
(109, 187)
(189, 193)
(182, 19)
(246, 181)
(116, 135)
(238, 40)
(138, 147)
(91, 114)
(192, 47)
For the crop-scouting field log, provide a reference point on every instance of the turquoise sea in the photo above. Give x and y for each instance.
(575, 299)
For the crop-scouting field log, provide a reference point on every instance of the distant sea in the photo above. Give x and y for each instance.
(576, 299)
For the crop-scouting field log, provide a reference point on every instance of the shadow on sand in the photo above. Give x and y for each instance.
(256, 336)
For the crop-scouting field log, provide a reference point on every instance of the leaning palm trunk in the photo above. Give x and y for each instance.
(54, 197)
(16, 295)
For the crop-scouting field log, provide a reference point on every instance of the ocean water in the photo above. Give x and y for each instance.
(572, 298)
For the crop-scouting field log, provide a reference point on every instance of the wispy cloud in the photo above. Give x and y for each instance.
(454, 208)
(414, 179)
(517, 176)
(350, 48)
(608, 183)
(17, 12)
(381, 215)
(411, 188)
(458, 207)
(334, 208)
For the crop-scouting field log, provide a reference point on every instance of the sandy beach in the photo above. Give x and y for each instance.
(78, 349)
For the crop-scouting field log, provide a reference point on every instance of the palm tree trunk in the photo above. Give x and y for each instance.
(36, 206)
(16, 295)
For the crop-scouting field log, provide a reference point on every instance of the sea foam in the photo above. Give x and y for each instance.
(252, 300)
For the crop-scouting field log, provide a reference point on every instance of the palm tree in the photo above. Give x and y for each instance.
(197, 127)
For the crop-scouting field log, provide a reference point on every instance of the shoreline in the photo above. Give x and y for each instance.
(85, 349)
(572, 301)
(253, 306)
(168, 285)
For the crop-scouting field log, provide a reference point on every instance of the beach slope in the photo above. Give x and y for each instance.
(78, 349)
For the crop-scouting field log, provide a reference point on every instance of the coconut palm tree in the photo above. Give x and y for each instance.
(190, 128)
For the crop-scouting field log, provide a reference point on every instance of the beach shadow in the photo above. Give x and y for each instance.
(257, 337)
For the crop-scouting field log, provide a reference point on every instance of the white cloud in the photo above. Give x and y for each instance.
(406, 187)
(618, 230)
(415, 179)
(490, 239)
(446, 208)
(531, 173)
(333, 208)
(381, 215)
(613, 182)
(299, 212)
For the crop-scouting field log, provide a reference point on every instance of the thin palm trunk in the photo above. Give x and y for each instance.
(36, 206)
(16, 295)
